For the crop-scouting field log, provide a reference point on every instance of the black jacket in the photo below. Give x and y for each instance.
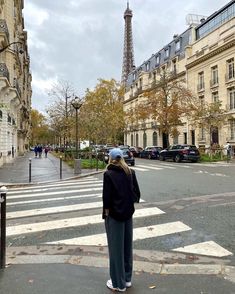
(119, 193)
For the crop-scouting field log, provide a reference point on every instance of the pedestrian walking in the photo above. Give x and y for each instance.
(46, 149)
(40, 151)
(120, 191)
(36, 151)
(229, 150)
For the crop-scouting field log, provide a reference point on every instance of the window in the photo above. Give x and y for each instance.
(185, 138)
(174, 66)
(230, 68)
(167, 53)
(214, 75)
(148, 66)
(0, 115)
(215, 97)
(177, 45)
(132, 140)
(202, 135)
(232, 98)
(176, 139)
(8, 119)
(155, 143)
(232, 129)
(137, 140)
(157, 59)
(144, 140)
(201, 81)
(202, 100)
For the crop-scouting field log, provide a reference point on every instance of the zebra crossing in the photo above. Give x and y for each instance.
(69, 213)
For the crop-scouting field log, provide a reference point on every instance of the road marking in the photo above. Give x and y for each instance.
(209, 248)
(47, 188)
(73, 222)
(56, 184)
(57, 209)
(138, 234)
(174, 165)
(150, 167)
(55, 193)
(53, 199)
(139, 168)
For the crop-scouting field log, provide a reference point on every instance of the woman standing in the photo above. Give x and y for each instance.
(120, 191)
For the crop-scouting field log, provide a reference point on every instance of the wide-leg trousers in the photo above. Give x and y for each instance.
(120, 236)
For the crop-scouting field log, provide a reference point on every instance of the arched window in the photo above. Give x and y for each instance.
(137, 140)
(144, 140)
(155, 143)
(132, 140)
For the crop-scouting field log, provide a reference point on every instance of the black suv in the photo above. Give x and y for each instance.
(180, 152)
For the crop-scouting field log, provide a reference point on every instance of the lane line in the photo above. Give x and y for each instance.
(139, 168)
(138, 234)
(53, 199)
(57, 209)
(73, 222)
(55, 193)
(150, 167)
(48, 188)
(209, 248)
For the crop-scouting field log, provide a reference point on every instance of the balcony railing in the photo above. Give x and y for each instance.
(4, 29)
(16, 85)
(4, 71)
(214, 83)
(200, 87)
(229, 77)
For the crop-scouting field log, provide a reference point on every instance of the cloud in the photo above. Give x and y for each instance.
(82, 40)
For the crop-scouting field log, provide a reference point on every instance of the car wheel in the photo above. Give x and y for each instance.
(177, 158)
(161, 157)
(149, 156)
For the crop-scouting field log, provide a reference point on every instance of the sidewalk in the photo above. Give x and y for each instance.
(85, 270)
(42, 169)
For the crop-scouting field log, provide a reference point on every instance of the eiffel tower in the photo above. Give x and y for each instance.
(128, 52)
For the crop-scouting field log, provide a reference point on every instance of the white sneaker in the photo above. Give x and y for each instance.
(109, 284)
(128, 284)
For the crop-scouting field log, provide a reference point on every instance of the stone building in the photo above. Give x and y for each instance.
(204, 56)
(15, 82)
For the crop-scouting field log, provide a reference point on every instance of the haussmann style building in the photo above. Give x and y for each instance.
(15, 82)
(203, 55)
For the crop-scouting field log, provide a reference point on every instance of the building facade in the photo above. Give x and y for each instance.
(15, 82)
(203, 56)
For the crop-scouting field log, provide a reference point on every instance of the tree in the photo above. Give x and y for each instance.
(40, 133)
(101, 117)
(60, 111)
(210, 116)
(167, 102)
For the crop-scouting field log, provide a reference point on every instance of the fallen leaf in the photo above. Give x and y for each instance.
(31, 281)
(152, 287)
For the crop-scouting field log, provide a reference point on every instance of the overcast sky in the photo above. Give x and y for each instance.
(82, 40)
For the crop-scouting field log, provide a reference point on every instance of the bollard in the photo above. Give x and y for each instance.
(97, 162)
(30, 170)
(60, 167)
(3, 193)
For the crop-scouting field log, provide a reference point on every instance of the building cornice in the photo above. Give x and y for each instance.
(210, 54)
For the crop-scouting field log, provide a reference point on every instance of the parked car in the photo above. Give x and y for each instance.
(180, 152)
(136, 151)
(128, 156)
(151, 152)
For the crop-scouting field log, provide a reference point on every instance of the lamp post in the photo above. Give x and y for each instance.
(76, 102)
(8, 45)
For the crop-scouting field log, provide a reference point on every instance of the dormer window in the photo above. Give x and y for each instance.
(157, 59)
(177, 45)
(148, 66)
(167, 53)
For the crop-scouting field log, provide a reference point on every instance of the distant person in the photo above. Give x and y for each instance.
(40, 151)
(36, 151)
(46, 151)
(229, 150)
(120, 191)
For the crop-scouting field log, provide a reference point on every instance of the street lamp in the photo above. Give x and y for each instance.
(8, 45)
(76, 102)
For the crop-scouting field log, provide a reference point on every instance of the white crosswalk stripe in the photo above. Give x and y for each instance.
(60, 206)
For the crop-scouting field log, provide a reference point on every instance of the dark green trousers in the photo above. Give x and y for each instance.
(120, 236)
